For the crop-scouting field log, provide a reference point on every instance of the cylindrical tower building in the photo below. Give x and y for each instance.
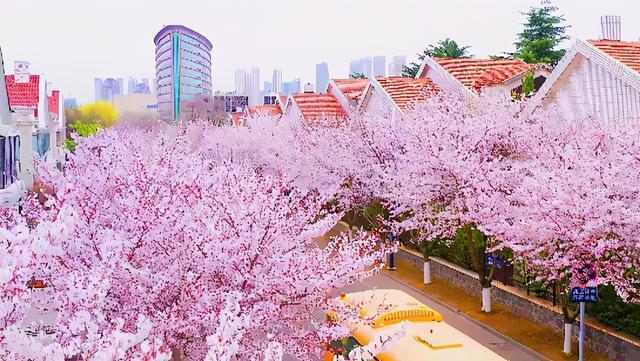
(183, 68)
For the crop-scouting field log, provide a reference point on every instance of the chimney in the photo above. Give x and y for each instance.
(308, 88)
(611, 27)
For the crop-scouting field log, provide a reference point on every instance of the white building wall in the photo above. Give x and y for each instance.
(379, 104)
(587, 88)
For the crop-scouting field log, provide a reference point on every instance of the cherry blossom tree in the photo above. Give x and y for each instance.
(576, 204)
(152, 236)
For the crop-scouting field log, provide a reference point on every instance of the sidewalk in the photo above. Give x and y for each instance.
(537, 337)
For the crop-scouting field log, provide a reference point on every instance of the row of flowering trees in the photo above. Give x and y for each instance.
(161, 238)
(509, 179)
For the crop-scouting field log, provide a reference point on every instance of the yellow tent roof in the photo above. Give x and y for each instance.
(427, 337)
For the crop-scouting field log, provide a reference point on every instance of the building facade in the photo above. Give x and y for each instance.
(277, 81)
(183, 68)
(397, 65)
(106, 89)
(322, 77)
(241, 82)
(379, 65)
(597, 77)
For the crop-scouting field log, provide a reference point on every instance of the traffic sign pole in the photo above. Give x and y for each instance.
(581, 338)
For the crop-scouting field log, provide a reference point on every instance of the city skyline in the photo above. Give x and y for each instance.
(488, 27)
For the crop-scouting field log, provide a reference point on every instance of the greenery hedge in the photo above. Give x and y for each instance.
(612, 311)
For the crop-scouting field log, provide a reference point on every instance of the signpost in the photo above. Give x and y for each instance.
(584, 288)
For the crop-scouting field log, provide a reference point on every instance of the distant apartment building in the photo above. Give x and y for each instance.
(397, 65)
(362, 66)
(183, 68)
(241, 82)
(379, 65)
(276, 81)
(70, 103)
(106, 89)
(253, 86)
(138, 87)
(322, 77)
(292, 87)
(231, 102)
(268, 87)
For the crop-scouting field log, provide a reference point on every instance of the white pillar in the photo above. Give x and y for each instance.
(486, 299)
(52, 157)
(27, 168)
(567, 338)
(427, 272)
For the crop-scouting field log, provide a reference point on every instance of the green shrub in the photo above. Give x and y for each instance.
(612, 311)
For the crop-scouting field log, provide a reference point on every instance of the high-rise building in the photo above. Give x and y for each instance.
(98, 89)
(292, 87)
(397, 65)
(131, 86)
(367, 67)
(322, 77)
(379, 65)
(70, 102)
(362, 66)
(268, 87)
(253, 86)
(105, 89)
(183, 68)
(277, 81)
(121, 86)
(241, 82)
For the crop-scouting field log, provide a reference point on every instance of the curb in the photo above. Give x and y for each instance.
(482, 325)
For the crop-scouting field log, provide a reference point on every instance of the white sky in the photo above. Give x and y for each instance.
(73, 41)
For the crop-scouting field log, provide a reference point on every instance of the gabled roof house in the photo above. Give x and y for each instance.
(597, 77)
(480, 76)
(393, 95)
(312, 108)
(472, 77)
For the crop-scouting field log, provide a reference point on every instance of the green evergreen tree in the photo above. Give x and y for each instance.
(528, 85)
(543, 32)
(357, 76)
(446, 48)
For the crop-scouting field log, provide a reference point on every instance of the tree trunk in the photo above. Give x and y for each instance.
(427, 272)
(569, 314)
(567, 338)
(477, 255)
(425, 249)
(486, 299)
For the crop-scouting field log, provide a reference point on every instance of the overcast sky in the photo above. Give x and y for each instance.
(73, 41)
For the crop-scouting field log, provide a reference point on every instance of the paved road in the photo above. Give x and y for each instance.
(503, 346)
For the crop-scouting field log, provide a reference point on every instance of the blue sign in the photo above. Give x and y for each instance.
(489, 259)
(501, 262)
(587, 294)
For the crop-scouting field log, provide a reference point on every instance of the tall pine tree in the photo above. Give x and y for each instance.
(543, 32)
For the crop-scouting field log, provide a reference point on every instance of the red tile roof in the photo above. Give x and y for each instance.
(54, 101)
(627, 52)
(24, 94)
(271, 109)
(352, 88)
(316, 106)
(406, 91)
(478, 73)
